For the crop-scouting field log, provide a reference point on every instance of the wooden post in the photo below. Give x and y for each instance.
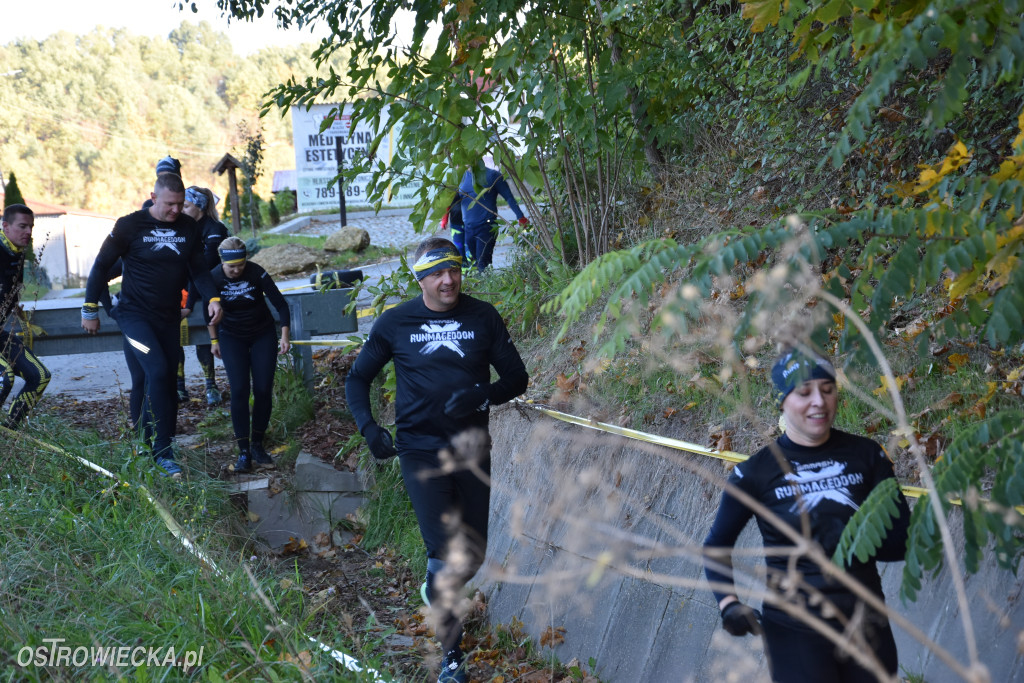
(236, 218)
(229, 163)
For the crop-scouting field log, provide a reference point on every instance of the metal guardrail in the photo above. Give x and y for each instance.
(312, 313)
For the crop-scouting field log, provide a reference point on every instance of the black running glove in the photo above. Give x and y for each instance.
(739, 619)
(465, 402)
(382, 446)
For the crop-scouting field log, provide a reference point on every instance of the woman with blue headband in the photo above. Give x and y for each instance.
(813, 478)
(247, 343)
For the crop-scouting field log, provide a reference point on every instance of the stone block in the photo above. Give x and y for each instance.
(312, 474)
(302, 515)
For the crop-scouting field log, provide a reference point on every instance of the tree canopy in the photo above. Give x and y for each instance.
(882, 144)
(85, 117)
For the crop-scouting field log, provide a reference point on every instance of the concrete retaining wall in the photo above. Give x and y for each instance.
(597, 535)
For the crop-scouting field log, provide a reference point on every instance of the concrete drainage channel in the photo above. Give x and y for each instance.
(320, 497)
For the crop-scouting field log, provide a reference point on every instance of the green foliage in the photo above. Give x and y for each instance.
(286, 202)
(388, 515)
(573, 102)
(293, 404)
(252, 168)
(12, 195)
(866, 530)
(992, 448)
(273, 213)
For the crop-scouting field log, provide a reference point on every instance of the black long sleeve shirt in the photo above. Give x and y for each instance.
(157, 258)
(828, 484)
(436, 354)
(243, 301)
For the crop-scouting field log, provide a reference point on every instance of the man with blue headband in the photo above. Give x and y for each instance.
(443, 344)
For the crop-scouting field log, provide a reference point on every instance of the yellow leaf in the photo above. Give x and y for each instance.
(884, 388)
(957, 157)
(465, 8)
(253, 517)
(962, 283)
(1015, 374)
(763, 13)
(957, 360)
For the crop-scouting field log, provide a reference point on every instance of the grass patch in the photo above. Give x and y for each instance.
(92, 562)
(389, 518)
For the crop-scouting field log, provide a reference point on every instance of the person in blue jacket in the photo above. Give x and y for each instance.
(480, 212)
(443, 344)
(813, 478)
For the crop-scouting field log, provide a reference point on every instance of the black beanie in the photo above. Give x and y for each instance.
(794, 367)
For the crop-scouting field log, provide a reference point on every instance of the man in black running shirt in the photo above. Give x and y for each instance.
(443, 344)
(159, 248)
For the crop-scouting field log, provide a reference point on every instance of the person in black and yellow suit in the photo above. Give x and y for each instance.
(15, 359)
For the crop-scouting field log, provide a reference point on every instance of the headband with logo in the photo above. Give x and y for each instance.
(230, 257)
(435, 260)
(794, 368)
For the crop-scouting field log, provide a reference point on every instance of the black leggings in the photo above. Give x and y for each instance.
(153, 346)
(799, 654)
(446, 504)
(254, 358)
(205, 357)
(137, 394)
(17, 361)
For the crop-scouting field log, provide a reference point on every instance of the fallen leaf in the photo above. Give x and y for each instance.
(293, 546)
(253, 517)
(552, 635)
(957, 360)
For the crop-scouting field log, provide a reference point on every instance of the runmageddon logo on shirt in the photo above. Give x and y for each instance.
(233, 291)
(820, 481)
(444, 334)
(164, 238)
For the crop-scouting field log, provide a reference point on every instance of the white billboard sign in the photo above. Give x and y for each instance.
(316, 160)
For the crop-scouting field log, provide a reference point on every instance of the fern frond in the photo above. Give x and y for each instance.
(866, 530)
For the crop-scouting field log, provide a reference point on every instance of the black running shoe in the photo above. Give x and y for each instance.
(260, 458)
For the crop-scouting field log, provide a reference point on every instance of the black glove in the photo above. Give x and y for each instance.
(739, 620)
(467, 401)
(382, 446)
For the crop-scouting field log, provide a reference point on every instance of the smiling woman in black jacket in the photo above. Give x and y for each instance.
(813, 478)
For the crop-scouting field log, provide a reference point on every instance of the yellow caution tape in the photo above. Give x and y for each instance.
(323, 342)
(731, 456)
